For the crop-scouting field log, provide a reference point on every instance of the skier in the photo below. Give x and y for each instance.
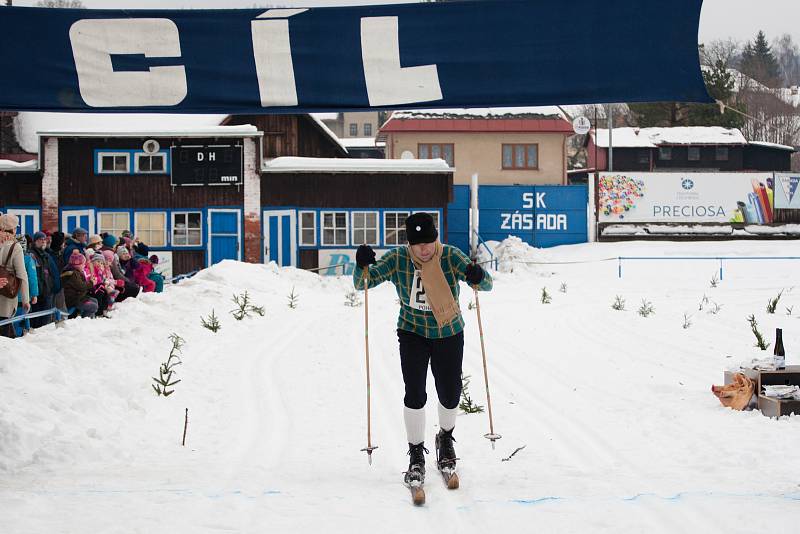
(429, 329)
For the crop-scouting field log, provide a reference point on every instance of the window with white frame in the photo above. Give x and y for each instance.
(113, 162)
(353, 129)
(113, 222)
(334, 227)
(155, 163)
(394, 227)
(308, 228)
(365, 228)
(367, 129)
(187, 229)
(151, 228)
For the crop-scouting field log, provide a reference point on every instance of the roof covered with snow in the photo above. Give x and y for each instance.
(772, 145)
(537, 112)
(7, 165)
(327, 131)
(370, 165)
(28, 124)
(680, 135)
(361, 142)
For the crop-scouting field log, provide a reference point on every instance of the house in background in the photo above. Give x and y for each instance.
(695, 148)
(504, 146)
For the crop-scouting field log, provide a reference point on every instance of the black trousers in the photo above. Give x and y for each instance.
(445, 356)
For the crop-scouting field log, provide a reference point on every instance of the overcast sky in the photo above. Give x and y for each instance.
(740, 19)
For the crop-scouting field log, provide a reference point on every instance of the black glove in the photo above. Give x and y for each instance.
(365, 256)
(474, 274)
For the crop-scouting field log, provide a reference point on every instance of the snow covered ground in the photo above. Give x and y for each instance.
(621, 432)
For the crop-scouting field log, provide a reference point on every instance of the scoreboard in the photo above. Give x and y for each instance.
(207, 165)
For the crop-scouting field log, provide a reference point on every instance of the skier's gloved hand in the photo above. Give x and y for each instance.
(474, 274)
(365, 256)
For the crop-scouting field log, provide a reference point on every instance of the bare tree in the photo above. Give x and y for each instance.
(725, 50)
(788, 56)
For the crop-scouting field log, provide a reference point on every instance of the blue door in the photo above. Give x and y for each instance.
(224, 230)
(28, 220)
(72, 219)
(280, 237)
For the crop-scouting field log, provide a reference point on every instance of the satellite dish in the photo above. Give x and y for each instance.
(151, 146)
(407, 154)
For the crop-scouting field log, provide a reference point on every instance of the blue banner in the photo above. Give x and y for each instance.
(454, 54)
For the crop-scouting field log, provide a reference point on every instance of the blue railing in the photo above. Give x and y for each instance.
(721, 259)
(492, 259)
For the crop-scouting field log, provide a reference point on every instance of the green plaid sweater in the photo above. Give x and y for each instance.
(396, 266)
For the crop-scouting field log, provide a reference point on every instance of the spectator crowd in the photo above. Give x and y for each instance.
(79, 274)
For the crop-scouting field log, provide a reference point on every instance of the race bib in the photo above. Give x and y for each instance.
(417, 298)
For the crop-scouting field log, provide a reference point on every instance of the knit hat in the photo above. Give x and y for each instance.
(56, 240)
(9, 223)
(109, 241)
(39, 235)
(77, 259)
(420, 229)
(95, 240)
(154, 259)
(108, 255)
(122, 251)
(127, 233)
(79, 231)
(98, 257)
(142, 249)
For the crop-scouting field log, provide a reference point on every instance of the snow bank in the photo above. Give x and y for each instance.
(513, 254)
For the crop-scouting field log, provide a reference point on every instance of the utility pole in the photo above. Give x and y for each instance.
(610, 117)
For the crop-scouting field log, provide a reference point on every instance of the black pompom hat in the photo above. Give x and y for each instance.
(420, 229)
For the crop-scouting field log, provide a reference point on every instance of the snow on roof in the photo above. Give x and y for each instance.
(361, 142)
(679, 135)
(371, 165)
(7, 165)
(325, 116)
(772, 145)
(537, 112)
(327, 131)
(28, 124)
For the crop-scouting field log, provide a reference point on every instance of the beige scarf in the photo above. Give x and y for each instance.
(437, 290)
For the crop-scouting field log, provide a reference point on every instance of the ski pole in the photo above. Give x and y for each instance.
(491, 435)
(369, 448)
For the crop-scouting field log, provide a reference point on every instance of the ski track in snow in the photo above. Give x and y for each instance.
(620, 430)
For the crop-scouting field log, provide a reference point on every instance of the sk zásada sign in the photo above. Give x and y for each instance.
(434, 55)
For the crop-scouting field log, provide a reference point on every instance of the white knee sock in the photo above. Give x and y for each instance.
(415, 425)
(447, 417)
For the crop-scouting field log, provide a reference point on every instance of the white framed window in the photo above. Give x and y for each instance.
(113, 162)
(434, 214)
(187, 229)
(367, 129)
(365, 227)
(150, 163)
(113, 222)
(151, 228)
(308, 228)
(353, 129)
(334, 228)
(394, 227)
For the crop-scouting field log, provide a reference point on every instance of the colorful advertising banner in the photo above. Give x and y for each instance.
(685, 197)
(787, 192)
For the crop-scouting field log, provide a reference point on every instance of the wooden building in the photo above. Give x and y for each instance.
(201, 189)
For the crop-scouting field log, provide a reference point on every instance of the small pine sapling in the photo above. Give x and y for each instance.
(546, 298)
(789, 310)
(211, 322)
(245, 307)
(563, 287)
(619, 304)
(715, 308)
(760, 343)
(351, 299)
(773, 303)
(467, 405)
(714, 280)
(471, 305)
(703, 302)
(293, 299)
(646, 309)
(166, 370)
(687, 321)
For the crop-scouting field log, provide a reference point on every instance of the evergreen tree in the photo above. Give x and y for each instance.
(759, 62)
(720, 83)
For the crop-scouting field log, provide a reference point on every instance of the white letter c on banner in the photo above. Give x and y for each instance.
(95, 40)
